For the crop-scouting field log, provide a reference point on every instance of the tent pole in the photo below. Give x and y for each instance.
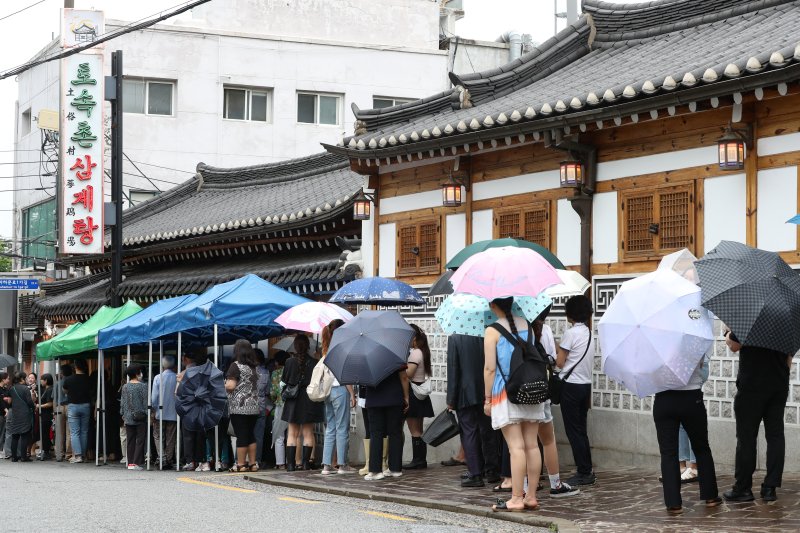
(128, 361)
(178, 424)
(97, 415)
(102, 375)
(39, 402)
(149, 399)
(161, 409)
(57, 408)
(216, 428)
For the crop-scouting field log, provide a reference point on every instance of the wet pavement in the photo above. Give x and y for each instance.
(625, 499)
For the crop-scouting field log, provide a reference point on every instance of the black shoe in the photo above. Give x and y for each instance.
(564, 490)
(466, 475)
(735, 495)
(492, 477)
(473, 481)
(291, 454)
(15, 459)
(420, 455)
(25, 460)
(768, 493)
(582, 479)
(307, 464)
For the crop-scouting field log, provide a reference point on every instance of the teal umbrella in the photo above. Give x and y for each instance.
(481, 246)
(466, 314)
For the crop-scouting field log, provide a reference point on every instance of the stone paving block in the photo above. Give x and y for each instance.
(626, 499)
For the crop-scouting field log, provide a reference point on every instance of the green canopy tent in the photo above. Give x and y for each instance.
(82, 337)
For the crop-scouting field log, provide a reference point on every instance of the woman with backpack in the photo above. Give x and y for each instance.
(575, 359)
(337, 414)
(418, 371)
(298, 410)
(518, 422)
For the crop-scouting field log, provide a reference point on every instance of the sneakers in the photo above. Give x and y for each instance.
(188, 467)
(374, 477)
(563, 490)
(689, 475)
(76, 459)
(582, 479)
(123, 461)
(345, 470)
(389, 473)
(327, 470)
(134, 467)
(203, 467)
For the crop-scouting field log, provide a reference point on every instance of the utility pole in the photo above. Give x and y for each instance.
(114, 94)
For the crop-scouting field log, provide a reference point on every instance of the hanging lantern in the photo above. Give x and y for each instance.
(451, 194)
(571, 173)
(731, 150)
(362, 207)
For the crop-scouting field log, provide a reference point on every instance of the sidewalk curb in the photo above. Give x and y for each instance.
(555, 524)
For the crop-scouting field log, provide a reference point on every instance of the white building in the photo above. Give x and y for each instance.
(236, 83)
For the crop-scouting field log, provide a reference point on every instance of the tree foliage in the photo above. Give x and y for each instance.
(5, 256)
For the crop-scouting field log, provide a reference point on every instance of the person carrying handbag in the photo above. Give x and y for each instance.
(575, 353)
(338, 403)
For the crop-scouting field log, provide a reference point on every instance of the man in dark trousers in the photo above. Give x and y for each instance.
(762, 387)
(465, 396)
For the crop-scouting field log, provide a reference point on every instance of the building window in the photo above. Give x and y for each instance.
(148, 97)
(135, 197)
(530, 222)
(656, 222)
(315, 108)
(25, 123)
(38, 232)
(419, 248)
(379, 102)
(246, 104)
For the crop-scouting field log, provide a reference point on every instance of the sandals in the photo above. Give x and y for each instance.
(714, 502)
(501, 488)
(239, 468)
(674, 511)
(254, 468)
(502, 506)
(689, 475)
(532, 506)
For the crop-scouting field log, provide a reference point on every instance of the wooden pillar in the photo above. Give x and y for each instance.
(375, 183)
(582, 204)
(468, 214)
(751, 177)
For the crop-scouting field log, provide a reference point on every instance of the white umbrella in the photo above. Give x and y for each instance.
(572, 284)
(286, 344)
(654, 333)
(312, 316)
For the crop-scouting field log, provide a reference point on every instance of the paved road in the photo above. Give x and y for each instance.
(62, 497)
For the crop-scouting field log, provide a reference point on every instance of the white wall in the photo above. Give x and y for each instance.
(537, 181)
(387, 252)
(725, 210)
(568, 234)
(777, 203)
(456, 233)
(778, 144)
(648, 164)
(410, 202)
(605, 237)
(482, 225)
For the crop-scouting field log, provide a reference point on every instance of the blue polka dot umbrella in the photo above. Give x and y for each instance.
(465, 314)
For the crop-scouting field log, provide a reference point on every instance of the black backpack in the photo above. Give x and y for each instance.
(527, 382)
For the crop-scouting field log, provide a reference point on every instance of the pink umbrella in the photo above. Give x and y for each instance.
(312, 316)
(503, 272)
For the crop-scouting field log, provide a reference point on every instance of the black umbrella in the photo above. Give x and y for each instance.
(369, 348)
(7, 360)
(442, 286)
(755, 293)
(201, 397)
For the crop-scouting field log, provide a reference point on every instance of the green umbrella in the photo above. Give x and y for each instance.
(481, 246)
(83, 337)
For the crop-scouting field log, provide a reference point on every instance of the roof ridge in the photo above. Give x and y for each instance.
(280, 170)
(616, 22)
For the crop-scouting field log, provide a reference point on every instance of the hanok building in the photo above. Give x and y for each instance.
(290, 223)
(637, 131)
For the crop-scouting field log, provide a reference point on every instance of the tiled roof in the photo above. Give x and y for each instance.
(615, 57)
(317, 272)
(225, 199)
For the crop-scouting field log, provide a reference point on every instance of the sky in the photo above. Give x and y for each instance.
(22, 35)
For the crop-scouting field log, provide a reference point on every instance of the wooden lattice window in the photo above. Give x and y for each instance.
(530, 222)
(656, 221)
(419, 248)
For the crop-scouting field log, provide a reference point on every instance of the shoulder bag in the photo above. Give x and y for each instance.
(556, 383)
(290, 392)
(422, 390)
(321, 383)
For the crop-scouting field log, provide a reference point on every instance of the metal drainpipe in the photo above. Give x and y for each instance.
(514, 39)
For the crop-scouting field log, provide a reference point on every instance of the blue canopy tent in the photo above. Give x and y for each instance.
(243, 308)
(135, 330)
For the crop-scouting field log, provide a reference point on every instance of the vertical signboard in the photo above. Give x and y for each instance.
(81, 136)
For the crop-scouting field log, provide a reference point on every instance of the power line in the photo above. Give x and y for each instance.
(103, 38)
(21, 10)
(160, 166)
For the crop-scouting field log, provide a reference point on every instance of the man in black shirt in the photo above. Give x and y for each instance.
(762, 387)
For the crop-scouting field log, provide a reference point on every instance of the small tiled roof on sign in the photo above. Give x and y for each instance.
(614, 57)
(224, 199)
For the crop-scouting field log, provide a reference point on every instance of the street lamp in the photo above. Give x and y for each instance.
(362, 207)
(571, 173)
(732, 147)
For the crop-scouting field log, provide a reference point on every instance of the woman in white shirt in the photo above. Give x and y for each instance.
(575, 358)
(419, 370)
